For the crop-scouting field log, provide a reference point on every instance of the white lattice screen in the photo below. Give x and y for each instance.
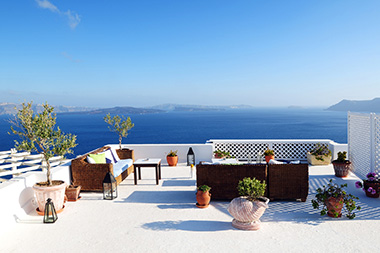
(284, 149)
(364, 142)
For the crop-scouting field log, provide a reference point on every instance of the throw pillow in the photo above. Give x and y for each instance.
(90, 160)
(98, 158)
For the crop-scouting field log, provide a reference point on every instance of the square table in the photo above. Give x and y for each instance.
(148, 162)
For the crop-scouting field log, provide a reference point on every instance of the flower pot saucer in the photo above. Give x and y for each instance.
(42, 213)
(74, 200)
(199, 206)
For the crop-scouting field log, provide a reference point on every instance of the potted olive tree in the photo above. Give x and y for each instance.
(341, 166)
(121, 126)
(333, 199)
(38, 133)
(250, 206)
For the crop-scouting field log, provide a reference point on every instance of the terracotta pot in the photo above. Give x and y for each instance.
(334, 206)
(374, 185)
(55, 192)
(72, 192)
(312, 159)
(247, 213)
(268, 158)
(172, 160)
(203, 199)
(341, 168)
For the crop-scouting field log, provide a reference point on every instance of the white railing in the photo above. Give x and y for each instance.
(364, 142)
(14, 163)
(283, 149)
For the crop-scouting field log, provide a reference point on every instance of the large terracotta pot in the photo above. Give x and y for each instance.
(374, 185)
(334, 206)
(341, 168)
(268, 158)
(203, 199)
(247, 213)
(56, 193)
(172, 160)
(312, 159)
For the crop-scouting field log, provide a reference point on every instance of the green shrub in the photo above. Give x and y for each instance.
(252, 188)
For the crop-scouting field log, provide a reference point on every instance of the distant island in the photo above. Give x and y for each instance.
(9, 108)
(357, 105)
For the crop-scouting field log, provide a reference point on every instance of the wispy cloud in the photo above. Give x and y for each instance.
(67, 56)
(73, 18)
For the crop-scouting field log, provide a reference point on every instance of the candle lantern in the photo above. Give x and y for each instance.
(109, 187)
(50, 215)
(190, 157)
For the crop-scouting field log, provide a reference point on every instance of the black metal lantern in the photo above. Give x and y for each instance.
(190, 157)
(109, 187)
(50, 215)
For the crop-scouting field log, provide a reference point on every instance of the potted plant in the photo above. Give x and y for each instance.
(38, 133)
(203, 196)
(371, 185)
(320, 155)
(269, 155)
(333, 198)
(221, 154)
(250, 206)
(341, 166)
(121, 126)
(72, 192)
(172, 158)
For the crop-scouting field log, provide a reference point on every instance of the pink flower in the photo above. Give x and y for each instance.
(370, 189)
(358, 184)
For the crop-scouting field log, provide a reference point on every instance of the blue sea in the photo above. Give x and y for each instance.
(198, 127)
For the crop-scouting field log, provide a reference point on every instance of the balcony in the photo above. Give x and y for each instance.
(163, 218)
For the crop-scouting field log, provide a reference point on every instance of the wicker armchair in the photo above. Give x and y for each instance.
(90, 176)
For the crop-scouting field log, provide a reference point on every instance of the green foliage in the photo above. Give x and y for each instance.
(119, 125)
(204, 188)
(252, 188)
(38, 133)
(222, 154)
(342, 156)
(172, 153)
(320, 151)
(268, 152)
(336, 191)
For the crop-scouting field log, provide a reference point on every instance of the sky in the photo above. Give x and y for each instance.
(146, 52)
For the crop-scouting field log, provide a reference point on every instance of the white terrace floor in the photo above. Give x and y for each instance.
(163, 218)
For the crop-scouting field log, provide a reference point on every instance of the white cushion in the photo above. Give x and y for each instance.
(114, 154)
(272, 161)
(90, 160)
(109, 157)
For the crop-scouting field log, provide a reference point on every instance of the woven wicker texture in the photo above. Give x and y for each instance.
(90, 176)
(223, 179)
(288, 181)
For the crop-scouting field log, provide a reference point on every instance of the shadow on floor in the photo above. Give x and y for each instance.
(190, 225)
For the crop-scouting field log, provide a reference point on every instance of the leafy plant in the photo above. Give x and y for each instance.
(222, 154)
(320, 151)
(119, 125)
(38, 133)
(268, 152)
(342, 157)
(252, 188)
(172, 153)
(336, 191)
(204, 188)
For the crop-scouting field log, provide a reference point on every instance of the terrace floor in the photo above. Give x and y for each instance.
(163, 218)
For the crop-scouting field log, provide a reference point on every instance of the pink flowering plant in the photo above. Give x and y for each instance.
(373, 179)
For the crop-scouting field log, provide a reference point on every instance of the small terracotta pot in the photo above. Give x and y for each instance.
(334, 205)
(72, 192)
(268, 158)
(341, 168)
(172, 160)
(374, 185)
(203, 199)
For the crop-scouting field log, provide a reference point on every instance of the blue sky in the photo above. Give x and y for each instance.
(141, 53)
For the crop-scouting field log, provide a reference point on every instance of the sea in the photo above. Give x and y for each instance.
(198, 127)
